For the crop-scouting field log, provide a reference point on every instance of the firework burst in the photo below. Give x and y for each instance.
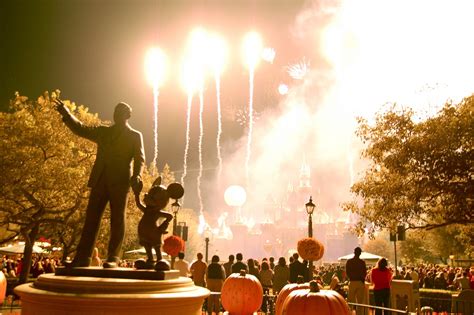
(298, 70)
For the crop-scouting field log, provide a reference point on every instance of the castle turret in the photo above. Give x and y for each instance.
(305, 178)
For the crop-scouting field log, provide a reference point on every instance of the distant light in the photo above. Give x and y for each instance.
(268, 54)
(235, 196)
(155, 66)
(283, 89)
(252, 49)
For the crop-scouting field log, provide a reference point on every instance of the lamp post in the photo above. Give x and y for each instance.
(207, 234)
(175, 206)
(309, 210)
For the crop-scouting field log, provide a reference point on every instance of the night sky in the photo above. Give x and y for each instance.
(93, 51)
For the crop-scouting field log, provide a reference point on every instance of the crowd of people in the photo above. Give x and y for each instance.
(12, 265)
(349, 280)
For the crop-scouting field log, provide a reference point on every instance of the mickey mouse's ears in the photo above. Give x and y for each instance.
(157, 182)
(175, 190)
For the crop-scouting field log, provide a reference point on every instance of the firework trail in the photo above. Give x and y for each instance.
(155, 127)
(201, 134)
(219, 126)
(186, 149)
(249, 136)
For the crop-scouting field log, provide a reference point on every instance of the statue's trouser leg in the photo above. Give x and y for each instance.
(97, 201)
(118, 202)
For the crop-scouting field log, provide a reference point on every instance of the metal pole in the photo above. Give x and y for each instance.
(207, 249)
(175, 232)
(175, 224)
(310, 234)
(395, 250)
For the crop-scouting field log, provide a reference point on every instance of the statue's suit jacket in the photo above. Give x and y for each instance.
(116, 148)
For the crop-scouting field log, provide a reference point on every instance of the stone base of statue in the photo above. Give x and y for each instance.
(94, 294)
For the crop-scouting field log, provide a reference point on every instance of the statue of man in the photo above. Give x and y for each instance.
(110, 179)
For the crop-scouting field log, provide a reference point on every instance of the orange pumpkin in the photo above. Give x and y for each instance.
(3, 287)
(310, 249)
(172, 245)
(241, 294)
(315, 301)
(282, 295)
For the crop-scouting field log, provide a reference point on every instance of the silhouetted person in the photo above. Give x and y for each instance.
(228, 266)
(356, 271)
(272, 263)
(198, 271)
(182, 265)
(297, 268)
(215, 277)
(381, 277)
(239, 264)
(117, 146)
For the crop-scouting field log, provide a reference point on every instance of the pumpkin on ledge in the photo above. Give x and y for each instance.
(315, 302)
(285, 291)
(241, 294)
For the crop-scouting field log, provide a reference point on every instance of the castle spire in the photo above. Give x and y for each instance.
(305, 175)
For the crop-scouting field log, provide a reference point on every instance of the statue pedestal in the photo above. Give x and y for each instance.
(56, 294)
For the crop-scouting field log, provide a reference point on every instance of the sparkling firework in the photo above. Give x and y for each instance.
(201, 135)
(155, 126)
(249, 136)
(252, 51)
(268, 54)
(242, 117)
(216, 60)
(219, 126)
(298, 70)
(186, 149)
(155, 70)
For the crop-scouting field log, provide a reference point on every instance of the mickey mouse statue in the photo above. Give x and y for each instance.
(149, 233)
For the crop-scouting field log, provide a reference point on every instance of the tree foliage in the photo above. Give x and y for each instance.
(435, 245)
(44, 170)
(379, 246)
(421, 172)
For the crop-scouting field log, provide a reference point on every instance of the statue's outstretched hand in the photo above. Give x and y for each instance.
(137, 184)
(60, 107)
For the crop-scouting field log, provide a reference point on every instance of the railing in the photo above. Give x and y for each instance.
(458, 307)
(385, 310)
(268, 306)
